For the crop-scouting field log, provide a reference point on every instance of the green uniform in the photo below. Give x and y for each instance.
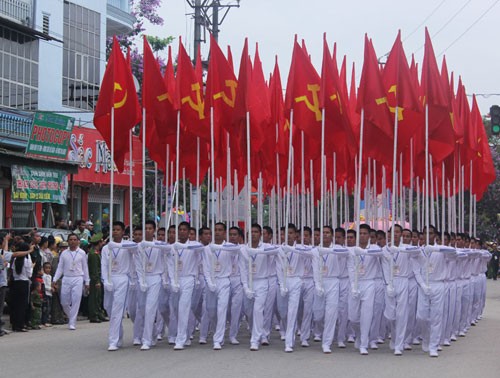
(36, 310)
(95, 293)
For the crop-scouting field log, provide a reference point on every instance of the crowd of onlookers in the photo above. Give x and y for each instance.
(27, 265)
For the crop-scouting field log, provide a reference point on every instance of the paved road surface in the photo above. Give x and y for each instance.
(58, 352)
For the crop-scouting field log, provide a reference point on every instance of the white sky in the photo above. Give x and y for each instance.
(273, 24)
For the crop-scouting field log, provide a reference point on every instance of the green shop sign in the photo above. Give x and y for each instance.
(50, 135)
(38, 185)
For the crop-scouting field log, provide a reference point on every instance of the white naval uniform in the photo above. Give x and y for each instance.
(186, 273)
(328, 265)
(366, 267)
(306, 299)
(150, 268)
(260, 264)
(290, 264)
(116, 270)
(398, 268)
(235, 296)
(272, 295)
(74, 270)
(217, 267)
(431, 276)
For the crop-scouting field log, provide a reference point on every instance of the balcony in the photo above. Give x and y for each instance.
(119, 20)
(15, 128)
(18, 11)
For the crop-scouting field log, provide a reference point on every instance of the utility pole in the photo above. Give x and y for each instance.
(207, 17)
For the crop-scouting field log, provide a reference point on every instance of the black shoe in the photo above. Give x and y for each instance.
(2, 332)
(95, 320)
(103, 319)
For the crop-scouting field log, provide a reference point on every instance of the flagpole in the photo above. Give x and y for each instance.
(470, 201)
(410, 195)
(112, 179)
(130, 198)
(427, 177)
(212, 163)
(156, 191)
(198, 211)
(177, 159)
(303, 186)
(228, 187)
(360, 169)
(249, 202)
(443, 203)
(288, 184)
(334, 214)
(375, 207)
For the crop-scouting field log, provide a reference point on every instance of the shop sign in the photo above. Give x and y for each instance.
(88, 149)
(50, 135)
(31, 184)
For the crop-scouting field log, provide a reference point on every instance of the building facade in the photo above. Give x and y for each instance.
(52, 59)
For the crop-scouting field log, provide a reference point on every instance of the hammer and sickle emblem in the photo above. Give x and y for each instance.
(231, 84)
(199, 105)
(122, 102)
(336, 97)
(314, 107)
(383, 100)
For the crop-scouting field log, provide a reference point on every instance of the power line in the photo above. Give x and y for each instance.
(452, 18)
(424, 21)
(470, 27)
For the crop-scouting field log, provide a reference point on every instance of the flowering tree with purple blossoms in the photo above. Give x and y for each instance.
(142, 10)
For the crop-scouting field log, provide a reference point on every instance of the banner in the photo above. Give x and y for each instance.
(50, 135)
(31, 184)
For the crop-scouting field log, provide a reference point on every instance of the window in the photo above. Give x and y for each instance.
(18, 70)
(45, 23)
(80, 56)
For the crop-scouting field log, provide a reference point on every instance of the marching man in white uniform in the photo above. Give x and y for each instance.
(217, 267)
(74, 270)
(116, 270)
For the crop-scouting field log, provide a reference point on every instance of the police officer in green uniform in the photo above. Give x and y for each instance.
(96, 312)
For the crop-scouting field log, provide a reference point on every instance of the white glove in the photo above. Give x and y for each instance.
(175, 288)
(197, 283)
(393, 249)
(319, 291)
(212, 287)
(391, 293)
(108, 286)
(164, 284)
(249, 293)
(355, 293)
(143, 287)
(283, 291)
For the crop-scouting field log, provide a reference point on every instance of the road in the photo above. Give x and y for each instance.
(58, 352)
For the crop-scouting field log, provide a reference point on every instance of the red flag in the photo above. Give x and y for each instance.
(190, 94)
(441, 135)
(220, 96)
(484, 169)
(117, 92)
(377, 118)
(303, 94)
(402, 94)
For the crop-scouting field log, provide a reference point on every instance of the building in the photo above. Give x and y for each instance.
(52, 59)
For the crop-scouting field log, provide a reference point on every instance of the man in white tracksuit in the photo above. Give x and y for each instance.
(74, 270)
(255, 280)
(217, 266)
(329, 262)
(364, 266)
(398, 267)
(430, 274)
(183, 269)
(116, 270)
(290, 268)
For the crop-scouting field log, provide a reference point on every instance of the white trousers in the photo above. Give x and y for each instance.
(260, 288)
(270, 308)
(223, 289)
(114, 304)
(294, 286)
(377, 328)
(430, 314)
(148, 306)
(236, 297)
(345, 288)
(184, 308)
(396, 312)
(331, 303)
(411, 326)
(361, 311)
(71, 296)
(306, 313)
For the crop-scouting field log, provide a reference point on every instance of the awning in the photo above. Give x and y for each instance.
(7, 158)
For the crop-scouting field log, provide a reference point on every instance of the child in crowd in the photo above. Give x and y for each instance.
(36, 305)
(47, 298)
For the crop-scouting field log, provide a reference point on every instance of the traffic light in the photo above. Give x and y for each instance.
(495, 119)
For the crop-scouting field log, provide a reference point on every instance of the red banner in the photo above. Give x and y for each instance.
(88, 148)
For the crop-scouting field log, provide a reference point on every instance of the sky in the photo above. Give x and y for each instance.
(464, 30)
